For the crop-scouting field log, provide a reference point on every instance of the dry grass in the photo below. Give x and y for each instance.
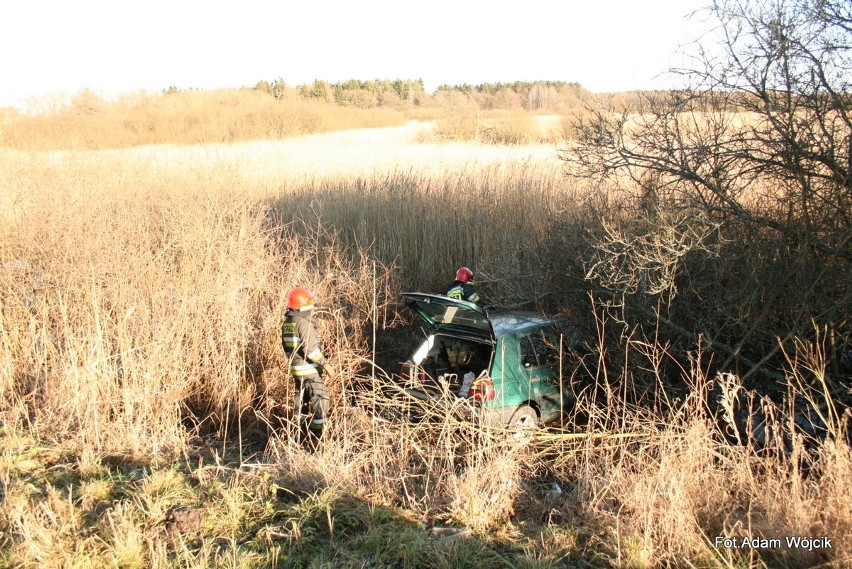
(461, 119)
(144, 405)
(132, 270)
(86, 121)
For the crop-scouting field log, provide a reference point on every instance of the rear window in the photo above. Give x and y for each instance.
(442, 311)
(452, 315)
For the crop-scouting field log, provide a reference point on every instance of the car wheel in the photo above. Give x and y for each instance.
(524, 422)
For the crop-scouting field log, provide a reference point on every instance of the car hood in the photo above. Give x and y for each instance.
(445, 314)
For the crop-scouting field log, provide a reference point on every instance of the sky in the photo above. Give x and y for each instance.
(53, 47)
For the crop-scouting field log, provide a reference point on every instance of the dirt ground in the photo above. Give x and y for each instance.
(395, 344)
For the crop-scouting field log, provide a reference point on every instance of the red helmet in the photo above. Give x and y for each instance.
(301, 299)
(464, 275)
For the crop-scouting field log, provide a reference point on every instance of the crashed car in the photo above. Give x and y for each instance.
(509, 367)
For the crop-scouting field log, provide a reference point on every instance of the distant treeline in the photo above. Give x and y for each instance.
(408, 93)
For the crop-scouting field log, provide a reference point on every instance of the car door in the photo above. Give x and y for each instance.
(540, 358)
(451, 316)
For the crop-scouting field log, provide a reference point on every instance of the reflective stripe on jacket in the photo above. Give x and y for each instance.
(301, 343)
(463, 291)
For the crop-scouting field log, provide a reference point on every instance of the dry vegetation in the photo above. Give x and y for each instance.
(88, 122)
(143, 401)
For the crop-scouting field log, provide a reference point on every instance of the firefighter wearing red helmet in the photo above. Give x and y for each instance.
(306, 360)
(464, 287)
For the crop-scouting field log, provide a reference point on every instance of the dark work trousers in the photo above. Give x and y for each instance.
(314, 393)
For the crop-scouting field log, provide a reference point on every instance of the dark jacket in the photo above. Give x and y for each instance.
(301, 343)
(463, 291)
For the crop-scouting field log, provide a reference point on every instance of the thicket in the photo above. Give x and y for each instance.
(739, 232)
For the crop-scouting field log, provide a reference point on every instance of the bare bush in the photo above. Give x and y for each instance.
(757, 153)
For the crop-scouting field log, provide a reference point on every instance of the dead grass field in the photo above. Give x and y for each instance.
(143, 402)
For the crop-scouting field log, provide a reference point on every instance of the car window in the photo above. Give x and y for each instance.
(540, 348)
(528, 357)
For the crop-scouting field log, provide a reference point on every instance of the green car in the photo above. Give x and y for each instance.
(511, 366)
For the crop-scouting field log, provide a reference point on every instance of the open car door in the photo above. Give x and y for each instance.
(448, 315)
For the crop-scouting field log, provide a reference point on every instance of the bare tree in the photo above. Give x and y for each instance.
(755, 155)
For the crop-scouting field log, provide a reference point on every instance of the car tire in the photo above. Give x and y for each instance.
(524, 422)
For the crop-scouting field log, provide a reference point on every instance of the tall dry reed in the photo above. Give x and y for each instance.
(142, 297)
(496, 216)
(137, 298)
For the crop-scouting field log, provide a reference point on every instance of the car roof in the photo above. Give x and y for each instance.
(515, 321)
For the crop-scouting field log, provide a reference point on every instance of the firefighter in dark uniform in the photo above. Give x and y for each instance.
(307, 362)
(464, 287)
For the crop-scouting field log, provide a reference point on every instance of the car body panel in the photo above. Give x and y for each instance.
(525, 361)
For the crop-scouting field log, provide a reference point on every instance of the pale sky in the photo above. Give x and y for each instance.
(50, 47)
